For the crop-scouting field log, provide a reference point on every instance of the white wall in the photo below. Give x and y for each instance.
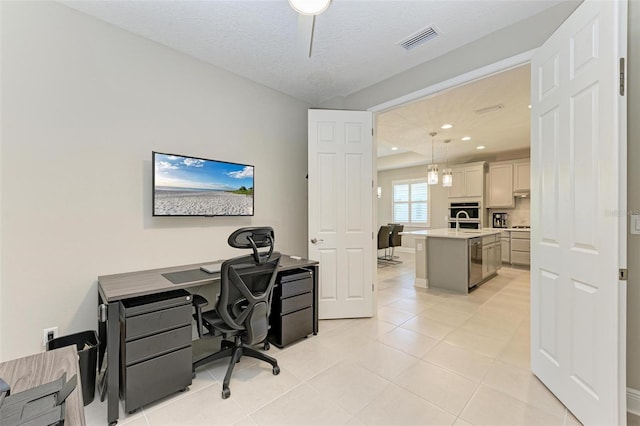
(83, 106)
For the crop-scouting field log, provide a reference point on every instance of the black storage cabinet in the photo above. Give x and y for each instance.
(292, 307)
(86, 344)
(156, 356)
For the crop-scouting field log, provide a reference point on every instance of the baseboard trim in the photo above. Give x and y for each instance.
(421, 283)
(406, 249)
(633, 401)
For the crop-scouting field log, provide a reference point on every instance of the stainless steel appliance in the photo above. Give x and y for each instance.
(499, 220)
(475, 261)
(470, 220)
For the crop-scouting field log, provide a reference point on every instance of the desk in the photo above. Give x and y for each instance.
(114, 288)
(24, 373)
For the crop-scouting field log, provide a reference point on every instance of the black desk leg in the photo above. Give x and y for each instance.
(102, 335)
(113, 360)
(316, 290)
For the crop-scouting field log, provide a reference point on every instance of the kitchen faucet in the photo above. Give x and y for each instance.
(458, 219)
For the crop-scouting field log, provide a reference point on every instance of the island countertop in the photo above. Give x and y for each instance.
(463, 234)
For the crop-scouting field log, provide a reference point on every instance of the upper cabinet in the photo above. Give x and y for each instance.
(500, 185)
(468, 181)
(522, 176)
(506, 178)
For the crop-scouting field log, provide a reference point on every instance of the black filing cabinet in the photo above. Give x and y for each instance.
(292, 307)
(155, 359)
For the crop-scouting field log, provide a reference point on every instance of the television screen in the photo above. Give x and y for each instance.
(189, 186)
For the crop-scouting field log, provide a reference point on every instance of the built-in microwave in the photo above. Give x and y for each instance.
(470, 220)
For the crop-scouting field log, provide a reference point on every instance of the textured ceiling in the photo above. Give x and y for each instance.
(507, 129)
(354, 44)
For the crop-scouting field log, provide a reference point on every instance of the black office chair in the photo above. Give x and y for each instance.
(383, 241)
(395, 239)
(244, 304)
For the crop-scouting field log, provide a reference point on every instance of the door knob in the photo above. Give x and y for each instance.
(316, 241)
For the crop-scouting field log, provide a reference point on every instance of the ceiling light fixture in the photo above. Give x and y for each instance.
(466, 138)
(446, 126)
(432, 169)
(310, 7)
(447, 173)
(394, 148)
(480, 147)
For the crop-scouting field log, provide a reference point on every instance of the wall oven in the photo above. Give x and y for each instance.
(458, 210)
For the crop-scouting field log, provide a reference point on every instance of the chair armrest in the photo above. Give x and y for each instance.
(198, 303)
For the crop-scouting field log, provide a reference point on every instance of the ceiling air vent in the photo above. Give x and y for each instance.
(489, 109)
(418, 38)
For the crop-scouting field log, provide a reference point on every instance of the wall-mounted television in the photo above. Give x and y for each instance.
(191, 186)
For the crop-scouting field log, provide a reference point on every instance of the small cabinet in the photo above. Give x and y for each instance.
(155, 347)
(291, 316)
(522, 177)
(500, 186)
(468, 181)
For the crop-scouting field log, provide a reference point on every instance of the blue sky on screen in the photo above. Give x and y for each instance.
(185, 172)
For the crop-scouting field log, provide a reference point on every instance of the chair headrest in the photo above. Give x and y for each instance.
(254, 238)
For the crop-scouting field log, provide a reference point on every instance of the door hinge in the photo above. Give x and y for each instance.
(373, 286)
(621, 76)
(624, 273)
(372, 131)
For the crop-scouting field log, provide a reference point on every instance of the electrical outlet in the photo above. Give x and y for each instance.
(48, 334)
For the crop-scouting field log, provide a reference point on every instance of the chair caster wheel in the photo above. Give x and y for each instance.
(226, 393)
(276, 370)
(183, 390)
(267, 346)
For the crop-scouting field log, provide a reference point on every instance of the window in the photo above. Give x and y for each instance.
(410, 202)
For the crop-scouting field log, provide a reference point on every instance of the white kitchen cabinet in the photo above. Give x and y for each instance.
(522, 176)
(500, 186)
(490, 255)
(520, 248)
(505, 242)
(468, 181)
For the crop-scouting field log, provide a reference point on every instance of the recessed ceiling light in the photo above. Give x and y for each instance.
(480, 147)
(529, 106)
(446, 126)
(466, 138)
(394, 148)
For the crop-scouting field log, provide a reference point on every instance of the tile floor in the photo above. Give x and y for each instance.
(428, 358)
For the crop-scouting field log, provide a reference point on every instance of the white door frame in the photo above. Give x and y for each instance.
(478, 74)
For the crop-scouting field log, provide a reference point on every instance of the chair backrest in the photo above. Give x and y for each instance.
(246, 284)
(383, 237)
(395, 239)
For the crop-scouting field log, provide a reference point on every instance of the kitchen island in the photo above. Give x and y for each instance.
(456, 260)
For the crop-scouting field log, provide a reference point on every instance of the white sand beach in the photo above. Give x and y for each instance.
(205, 203)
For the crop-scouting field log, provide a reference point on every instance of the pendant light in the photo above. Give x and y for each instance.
(447, 173)
(432, 169)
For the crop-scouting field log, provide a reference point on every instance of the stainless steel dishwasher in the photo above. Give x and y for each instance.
(475, 261)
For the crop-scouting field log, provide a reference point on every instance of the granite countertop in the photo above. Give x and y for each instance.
(463, 234)
(512, 229)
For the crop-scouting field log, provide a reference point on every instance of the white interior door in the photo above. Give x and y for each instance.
(341, 211)
(578, 155)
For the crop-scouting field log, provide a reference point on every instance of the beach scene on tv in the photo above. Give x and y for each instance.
(185, 186)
